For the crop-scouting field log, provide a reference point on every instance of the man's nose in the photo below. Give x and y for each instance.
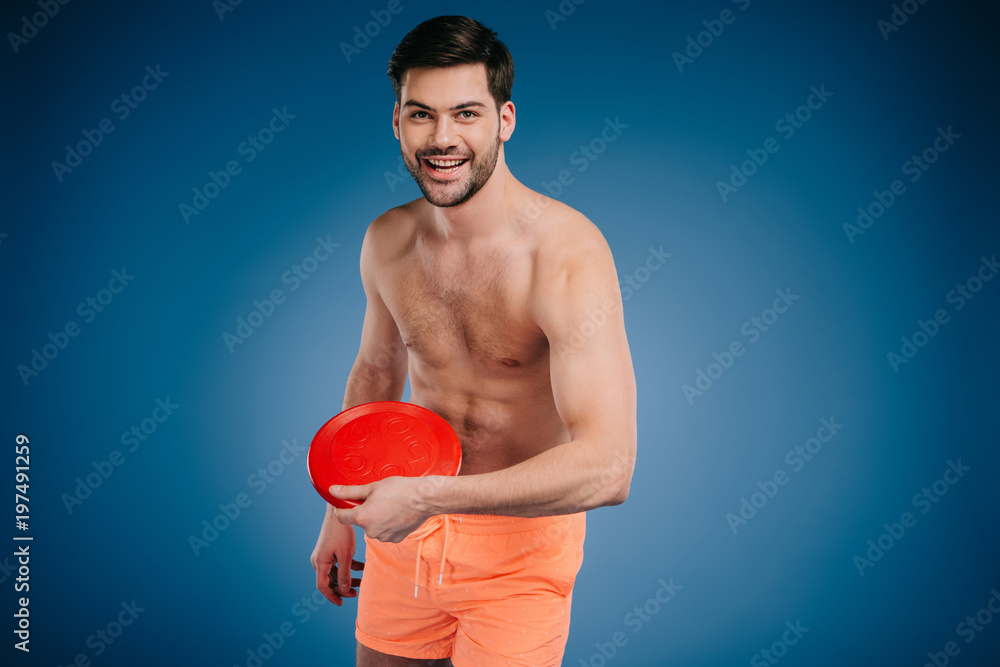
(444, 133)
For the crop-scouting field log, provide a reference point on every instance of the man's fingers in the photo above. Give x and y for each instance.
(343, 575)
(358, 493)
(332, 585)
(323, 574)
(336, 583)
(353, 591)
(324, 583)
(334, 598)
(344, 579)
(348, 515)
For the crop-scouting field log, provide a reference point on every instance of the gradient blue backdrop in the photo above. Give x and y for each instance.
(334, 168)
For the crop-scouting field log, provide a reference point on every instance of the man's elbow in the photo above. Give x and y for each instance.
(617, 488)
(619, 493)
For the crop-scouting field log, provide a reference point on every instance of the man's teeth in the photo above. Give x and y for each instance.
(446, 166)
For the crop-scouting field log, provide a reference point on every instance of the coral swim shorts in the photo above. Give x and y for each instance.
(485, 590)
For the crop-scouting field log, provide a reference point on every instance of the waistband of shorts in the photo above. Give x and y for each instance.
(494, 524)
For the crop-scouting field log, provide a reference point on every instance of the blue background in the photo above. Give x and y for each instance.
(334, 168)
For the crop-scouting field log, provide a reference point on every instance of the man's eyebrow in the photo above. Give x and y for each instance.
(463, 105)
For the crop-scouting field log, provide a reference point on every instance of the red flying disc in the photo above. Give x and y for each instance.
(373, 441)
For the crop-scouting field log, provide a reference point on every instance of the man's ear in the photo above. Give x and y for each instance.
(395, 120)
(507, 120)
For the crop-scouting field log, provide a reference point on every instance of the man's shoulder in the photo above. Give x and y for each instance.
(567, 237)
(573, 269)
(390, 232)
(396, 219)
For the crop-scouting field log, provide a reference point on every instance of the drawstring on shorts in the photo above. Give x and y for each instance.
(429, 528)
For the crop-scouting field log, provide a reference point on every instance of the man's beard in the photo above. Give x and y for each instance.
(480, 170)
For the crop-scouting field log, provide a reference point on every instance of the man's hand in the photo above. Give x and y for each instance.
(390, 508)
(334, 550)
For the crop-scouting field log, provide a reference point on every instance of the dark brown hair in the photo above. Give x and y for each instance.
(444, 41)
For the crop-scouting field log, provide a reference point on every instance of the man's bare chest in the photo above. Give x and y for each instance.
(466, 311)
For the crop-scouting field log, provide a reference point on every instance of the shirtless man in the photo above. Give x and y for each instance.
(503, 308)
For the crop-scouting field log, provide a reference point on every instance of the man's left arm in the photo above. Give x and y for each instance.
(577, 304)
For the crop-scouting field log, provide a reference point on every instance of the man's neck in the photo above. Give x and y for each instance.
(488, 212)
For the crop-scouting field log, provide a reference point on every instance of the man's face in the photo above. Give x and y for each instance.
(449, 131)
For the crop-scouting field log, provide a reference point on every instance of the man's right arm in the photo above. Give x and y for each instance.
(379, 371)
(378, 374)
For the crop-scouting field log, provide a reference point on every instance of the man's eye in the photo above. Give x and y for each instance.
(418, 114)
(469, 114)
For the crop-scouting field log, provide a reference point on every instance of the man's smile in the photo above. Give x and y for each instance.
(444, 167)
